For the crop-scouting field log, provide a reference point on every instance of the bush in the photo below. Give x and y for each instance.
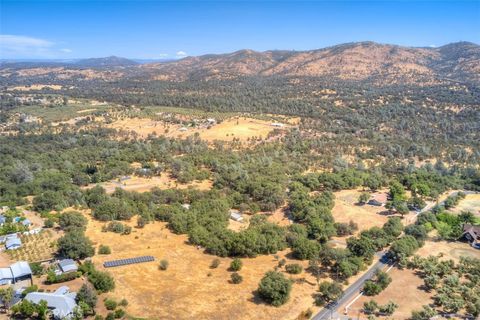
(48, 223)
(163, 265)
(294, 268)
(236, 278)
(236, 264)
(110, 304)
(215, 263)
(53, 278)
(123, 303)
(274, 288)
(87, 295)
(36, 268)
(119, 313)
(104, 249)
(102, 281)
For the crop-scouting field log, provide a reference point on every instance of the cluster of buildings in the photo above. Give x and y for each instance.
(61, 302)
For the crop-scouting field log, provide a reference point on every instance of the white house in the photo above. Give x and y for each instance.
(61, 302)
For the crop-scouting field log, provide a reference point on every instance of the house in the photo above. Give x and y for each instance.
(13, 243)
(183, 129)
(3, 209)
(67, 265)
(211, 120)
(278, 124)
(16, 272)
(186, 206)
(471, 233)
(2, 220)
(61, 302)
(236, 215)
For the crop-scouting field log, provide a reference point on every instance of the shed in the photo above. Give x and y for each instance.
(13, 243)
(67, 265)
(236, 215)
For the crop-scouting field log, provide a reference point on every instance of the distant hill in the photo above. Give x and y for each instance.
(107, 62)
(371, 61)
(366, 62)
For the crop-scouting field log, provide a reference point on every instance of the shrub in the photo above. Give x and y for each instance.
(48, 223)
(36, 268)
(294, 268)
(123, 303)
(87, 295)
(163, 265)
(236, 278)
(236, 264)
(104, 249)
(53, 278)
(215, 263)
(110, 304)
(102, 281)
(119, 313)
(274, 288)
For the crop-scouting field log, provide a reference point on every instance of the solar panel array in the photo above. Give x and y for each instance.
(123, 262)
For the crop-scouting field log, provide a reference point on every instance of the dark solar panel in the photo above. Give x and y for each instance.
(122, 262)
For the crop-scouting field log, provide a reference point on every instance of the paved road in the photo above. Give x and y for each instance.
(352, 290)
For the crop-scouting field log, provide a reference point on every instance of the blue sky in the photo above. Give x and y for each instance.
(161, 29)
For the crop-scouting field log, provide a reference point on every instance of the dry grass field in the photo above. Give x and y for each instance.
(140, 184)
(470, 203)
(411, 296)
(448, 250)
(366, 216)
(408, 298)
(190, 288)
(233, 128)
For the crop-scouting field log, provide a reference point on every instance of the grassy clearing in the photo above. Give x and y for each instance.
(186, 292)
(163, 182)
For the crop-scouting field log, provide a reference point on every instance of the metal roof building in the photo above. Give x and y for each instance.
(61, 302)
(13, 243)
(67, 265)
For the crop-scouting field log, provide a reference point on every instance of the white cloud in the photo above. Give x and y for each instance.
(12, 46)
(181, 54)
(433, 46)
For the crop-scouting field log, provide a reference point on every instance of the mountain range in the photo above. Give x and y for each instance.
(380, 64)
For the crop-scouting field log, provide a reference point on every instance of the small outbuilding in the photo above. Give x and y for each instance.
(13, 243)
(67, 265)
(236, 215)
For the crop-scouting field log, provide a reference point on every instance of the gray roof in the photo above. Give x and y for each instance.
(12, 242)
(67, 265)
(20, 269)
(62, 303)
(2, 219)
